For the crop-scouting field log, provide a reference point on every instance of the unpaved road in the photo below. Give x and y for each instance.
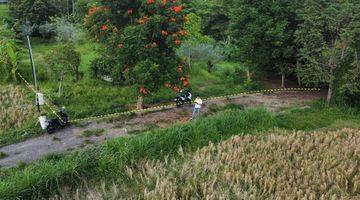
(72, 138)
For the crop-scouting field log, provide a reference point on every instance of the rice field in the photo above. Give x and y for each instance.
(15, 108)
(299, 165)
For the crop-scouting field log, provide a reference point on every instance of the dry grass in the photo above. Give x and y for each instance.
(319, 165)
(15, 109)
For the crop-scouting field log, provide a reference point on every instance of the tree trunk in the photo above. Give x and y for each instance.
(299, 80)
(283, 80)
(330, 91)
(331, 79)
(248, 75)
(139, 104)
(59, 92)
(60, 84)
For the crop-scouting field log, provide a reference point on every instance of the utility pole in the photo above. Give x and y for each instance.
(34, 73)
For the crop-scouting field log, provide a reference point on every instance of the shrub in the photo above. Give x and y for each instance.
(66, 31)
(47, 30)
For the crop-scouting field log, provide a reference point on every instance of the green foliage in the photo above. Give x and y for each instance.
(145, 47)
(36, 11)
(326, 35)
(193, 52)
(4, 12)
(214, 15)
(3, 155)
(64, 59)
(47, 30)
(65, 30)
(105, 161)
(9, 54)
(264, 33)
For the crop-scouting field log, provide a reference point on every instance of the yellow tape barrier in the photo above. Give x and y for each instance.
(155, 108)
(46, 103)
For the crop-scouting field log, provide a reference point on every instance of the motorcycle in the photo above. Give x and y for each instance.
(183, 98)
(60, 122)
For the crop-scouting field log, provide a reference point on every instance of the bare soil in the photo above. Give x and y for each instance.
(72, 137)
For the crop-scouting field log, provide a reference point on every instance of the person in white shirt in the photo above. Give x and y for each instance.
(198, 104)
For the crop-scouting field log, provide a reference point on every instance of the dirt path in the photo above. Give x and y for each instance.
(73, 138)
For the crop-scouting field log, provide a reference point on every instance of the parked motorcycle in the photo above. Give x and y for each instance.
(183, 98)
(60, 122)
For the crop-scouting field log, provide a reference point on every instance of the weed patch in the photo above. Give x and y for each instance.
(94, 132)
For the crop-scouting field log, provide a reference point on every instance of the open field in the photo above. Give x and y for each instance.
(4, 11)
(318, 165)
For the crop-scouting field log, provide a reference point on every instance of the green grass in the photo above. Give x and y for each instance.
(108, 160)
(94, 132)
(3, 155)
(4, 11)
(317, 117)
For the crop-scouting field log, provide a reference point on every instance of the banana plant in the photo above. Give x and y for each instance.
(9, 56)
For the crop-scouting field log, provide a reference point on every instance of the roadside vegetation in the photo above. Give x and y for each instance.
(107, 163)
(316, 165)
(42, 178)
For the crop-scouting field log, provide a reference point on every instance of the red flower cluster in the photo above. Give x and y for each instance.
(177, 42)
(130, 11)
(104, 28)
(93, 10)
(143, 90)
(150, 1)
(177, 9)
(143, 20)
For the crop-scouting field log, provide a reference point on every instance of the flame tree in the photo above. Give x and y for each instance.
(140, 38)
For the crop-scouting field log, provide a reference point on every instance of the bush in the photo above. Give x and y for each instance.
(200, 52)
(66, 31)
(110, 159)
(47, 30)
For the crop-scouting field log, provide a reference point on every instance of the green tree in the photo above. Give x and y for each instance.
(62, 61)
(325, 36)
(215, 17)
(264, 33)
(141, 37)
(37, 12)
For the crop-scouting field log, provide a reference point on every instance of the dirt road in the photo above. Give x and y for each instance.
(73, 137)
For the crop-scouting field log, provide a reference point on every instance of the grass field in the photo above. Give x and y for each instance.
(108, 162)
(109, 159)
(318, 165)
(4, 11)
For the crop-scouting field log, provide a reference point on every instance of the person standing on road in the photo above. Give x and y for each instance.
(197, 107)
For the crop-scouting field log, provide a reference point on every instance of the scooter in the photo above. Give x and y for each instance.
(183, 98)
(60, 122)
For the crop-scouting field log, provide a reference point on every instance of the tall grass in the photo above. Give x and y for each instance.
(109, 160)
(15, 109)
(17, 114)
(318, 165)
